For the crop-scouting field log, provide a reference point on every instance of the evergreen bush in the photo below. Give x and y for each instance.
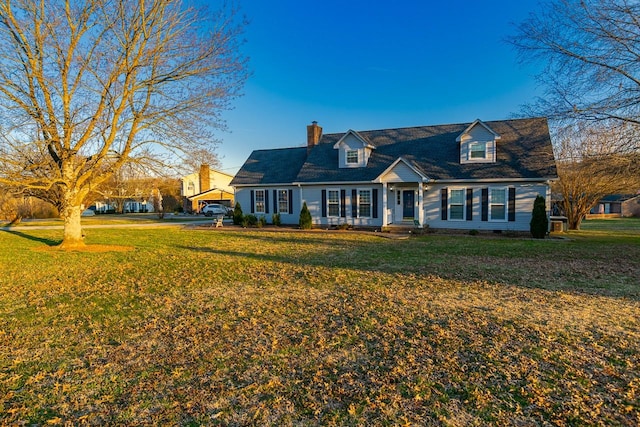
(305, 217)
(539, 224)
(237, 214)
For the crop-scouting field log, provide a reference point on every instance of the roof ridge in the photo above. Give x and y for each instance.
(437, 125)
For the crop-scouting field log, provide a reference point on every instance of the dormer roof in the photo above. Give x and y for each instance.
(365, 142)
(477, 122)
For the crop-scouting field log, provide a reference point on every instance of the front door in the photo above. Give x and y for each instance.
(408, 204)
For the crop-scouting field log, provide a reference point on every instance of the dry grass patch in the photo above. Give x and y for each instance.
(289, 329)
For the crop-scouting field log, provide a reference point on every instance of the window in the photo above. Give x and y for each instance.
(352, 157)
(456, 204)
(259, 201)
(333, 202)
(497, 204)
(478, 150)
(364, 203)
(283, 201)
(399, 198)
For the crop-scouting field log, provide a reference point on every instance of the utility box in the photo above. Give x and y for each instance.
(559, 224)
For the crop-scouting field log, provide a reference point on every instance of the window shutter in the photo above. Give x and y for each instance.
(290, 202)
(266, 201)
(275, 201)
(324, 203)
(512, 204)
(343, 203)
(469, 204)
(485, 204)
(443, 205)
(354, 203)
(253, 202)
(374, 202)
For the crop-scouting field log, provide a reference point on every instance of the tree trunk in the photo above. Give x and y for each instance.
(574, 222)
(72, 227)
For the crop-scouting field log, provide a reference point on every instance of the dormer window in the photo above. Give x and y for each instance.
(352, 157)
(353, 150)
(478, 150)
(478, 144)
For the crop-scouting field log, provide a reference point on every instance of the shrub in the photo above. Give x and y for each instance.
(237, 215)
(305, 217)
(275, 218)
(262, 221)
(473, 232)
(252, 220)
(539, 223)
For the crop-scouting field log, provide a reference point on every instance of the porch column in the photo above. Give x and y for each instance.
(384, 204)
(421, 204)
(301, 199)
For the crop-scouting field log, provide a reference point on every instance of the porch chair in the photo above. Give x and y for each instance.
(217, 221)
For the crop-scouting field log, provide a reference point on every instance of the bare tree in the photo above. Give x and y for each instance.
(594, 162)
(591, 49)
(87, 86)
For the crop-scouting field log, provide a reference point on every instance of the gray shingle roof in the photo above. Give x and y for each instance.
(524, 151)
(277, 166)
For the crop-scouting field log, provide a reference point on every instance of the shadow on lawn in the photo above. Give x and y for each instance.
(48, 242)
(257, 256)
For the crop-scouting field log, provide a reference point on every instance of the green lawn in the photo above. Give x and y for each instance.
(201, 326)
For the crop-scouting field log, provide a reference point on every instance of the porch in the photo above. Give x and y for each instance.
(403, 205)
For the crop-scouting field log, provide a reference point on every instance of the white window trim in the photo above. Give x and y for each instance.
(346, 156)
(255, 201)
(370, 190)
(286, 193)
(337, 190)
(475, 143)
(464, 204)
(506, 204)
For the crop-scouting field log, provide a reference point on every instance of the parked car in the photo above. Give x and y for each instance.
(214, 209)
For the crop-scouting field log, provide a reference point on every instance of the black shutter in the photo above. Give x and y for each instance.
(354, 203)
(343, 203)
(374, 202)
(290, 201)
(324, 203)
(253, 208)
(512, 204)
(469, 204)
(485, 204)
(266, 201)
(275, 201)
(444, 203)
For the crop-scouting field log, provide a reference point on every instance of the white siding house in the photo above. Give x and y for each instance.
(479, 175)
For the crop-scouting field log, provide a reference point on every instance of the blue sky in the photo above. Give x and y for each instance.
(366, 65)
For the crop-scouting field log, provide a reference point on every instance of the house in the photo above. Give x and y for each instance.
(617, 205)
(206, 186)
(479, 175)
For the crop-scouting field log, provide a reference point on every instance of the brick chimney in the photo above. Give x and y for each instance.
(205, 180)
(314, 132)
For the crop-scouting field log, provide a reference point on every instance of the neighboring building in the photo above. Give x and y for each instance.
(618, 205)
(480, 175)
(206, 186)
(145, 205)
